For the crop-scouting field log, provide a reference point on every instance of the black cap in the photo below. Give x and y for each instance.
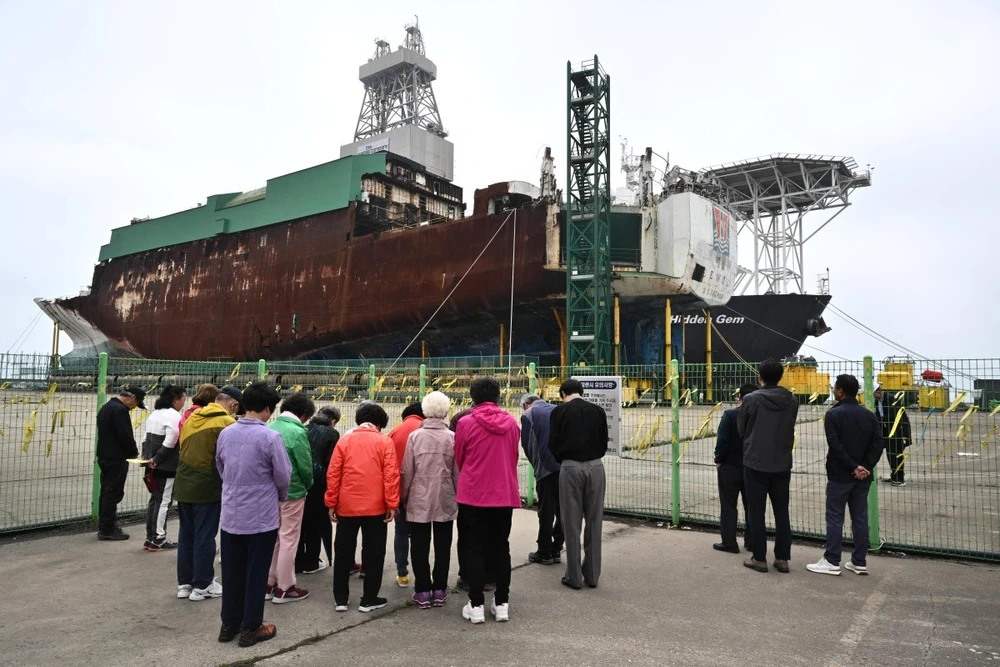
(139, 394)
(232, 392)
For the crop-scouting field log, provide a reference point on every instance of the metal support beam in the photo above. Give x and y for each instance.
(588, 214)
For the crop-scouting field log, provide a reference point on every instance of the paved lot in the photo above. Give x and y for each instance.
(665, 598)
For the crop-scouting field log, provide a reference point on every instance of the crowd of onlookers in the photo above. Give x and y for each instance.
(271, 482)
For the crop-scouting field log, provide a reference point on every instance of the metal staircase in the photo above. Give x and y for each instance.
(588, 212)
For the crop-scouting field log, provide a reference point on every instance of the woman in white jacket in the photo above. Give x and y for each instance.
(160, 448)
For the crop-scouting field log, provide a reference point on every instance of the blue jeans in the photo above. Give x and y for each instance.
(199, 523)
(401, 543)
(244, 578)
(854, 494)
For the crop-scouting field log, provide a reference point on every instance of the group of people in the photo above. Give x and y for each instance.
(753, 456)
(272, 483)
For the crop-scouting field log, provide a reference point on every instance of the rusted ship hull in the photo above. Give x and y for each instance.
(291, 290)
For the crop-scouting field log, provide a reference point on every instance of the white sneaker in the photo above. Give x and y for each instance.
(183, 591)
(499, 611)
(214, 590)
(856, 569)
(474, 614)
(341, 607)
(319, 568)
(823, 567)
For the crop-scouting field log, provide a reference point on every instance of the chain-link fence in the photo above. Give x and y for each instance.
(950, 502)
(46, 440)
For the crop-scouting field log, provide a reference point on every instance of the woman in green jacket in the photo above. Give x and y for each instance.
(295, 411)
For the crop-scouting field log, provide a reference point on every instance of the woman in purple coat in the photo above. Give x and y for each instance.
(255, 471)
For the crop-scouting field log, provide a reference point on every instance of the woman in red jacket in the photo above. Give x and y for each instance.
(362, 493)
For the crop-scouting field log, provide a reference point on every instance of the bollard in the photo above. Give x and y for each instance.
(102, 398)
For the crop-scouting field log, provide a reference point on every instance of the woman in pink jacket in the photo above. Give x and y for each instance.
(486, 450)
(428, 477)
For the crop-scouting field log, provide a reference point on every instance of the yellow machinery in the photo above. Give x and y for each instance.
(898, 375)
(802, 378)
(930, 396)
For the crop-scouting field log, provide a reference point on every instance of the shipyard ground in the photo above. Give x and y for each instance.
(665, 597)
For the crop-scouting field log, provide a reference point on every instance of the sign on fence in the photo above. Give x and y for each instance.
(606, 391)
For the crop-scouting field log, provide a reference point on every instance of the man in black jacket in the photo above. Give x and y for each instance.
(766, 422)
(855, 446)
(729, 462)
(578, 438)
(887, 407)
(115, 443)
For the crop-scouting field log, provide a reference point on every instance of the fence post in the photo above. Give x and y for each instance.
(102, 398)
(371, 382)
(874, 536)
(532, 389)
(423, 381)
(261, 370)
(675, 445)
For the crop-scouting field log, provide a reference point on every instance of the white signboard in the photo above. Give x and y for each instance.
(374, 146)
(606, 391)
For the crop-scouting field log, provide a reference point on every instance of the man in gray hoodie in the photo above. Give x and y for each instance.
(766, 422)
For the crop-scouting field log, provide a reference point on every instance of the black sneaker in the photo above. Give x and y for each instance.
(462, 584)
(164, 543)
(557, 556)
(228, 633)
(540, 558)
(116, 536)
(728, 548)
(371, 605)
(262, 634)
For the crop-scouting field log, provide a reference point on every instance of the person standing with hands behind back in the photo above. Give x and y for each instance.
(766, 422)
(854, 437)
(729, 462)
(362, 493)
(578, 437)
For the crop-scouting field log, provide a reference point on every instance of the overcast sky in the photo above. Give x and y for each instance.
(112, 110)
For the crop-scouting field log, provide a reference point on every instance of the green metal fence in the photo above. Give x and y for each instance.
(950, 503)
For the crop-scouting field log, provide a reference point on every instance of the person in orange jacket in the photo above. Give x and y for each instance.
(362, 494)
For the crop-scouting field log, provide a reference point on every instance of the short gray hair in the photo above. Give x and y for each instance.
(435, 405)
(528, 399)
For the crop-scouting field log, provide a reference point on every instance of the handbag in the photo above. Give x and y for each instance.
(149, 479)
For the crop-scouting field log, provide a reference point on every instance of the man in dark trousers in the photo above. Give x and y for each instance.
(854, 438)
(766, 422)
(886, 409)
(535, 443)
(729, 462)
(578, 438)
(115, 443)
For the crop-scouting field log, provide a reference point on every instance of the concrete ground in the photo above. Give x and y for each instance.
(665, 597)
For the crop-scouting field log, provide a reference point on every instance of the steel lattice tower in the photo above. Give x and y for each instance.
(398, 89)
(588, 213)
